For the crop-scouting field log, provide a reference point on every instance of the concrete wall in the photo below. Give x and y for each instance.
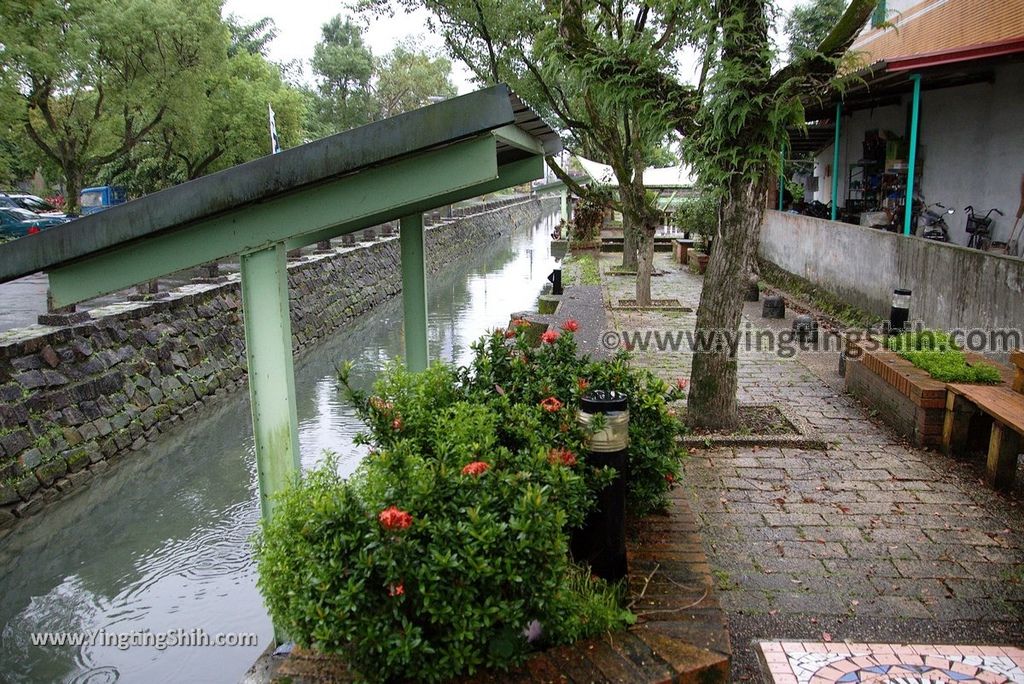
(73, 399)
(971, 147)
(954, 287)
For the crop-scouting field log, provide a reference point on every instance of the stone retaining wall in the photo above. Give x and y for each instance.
(73, 399)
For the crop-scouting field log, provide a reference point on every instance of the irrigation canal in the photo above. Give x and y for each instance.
(161, 544)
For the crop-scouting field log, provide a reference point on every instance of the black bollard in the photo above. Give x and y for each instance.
(774, 307)
(899, 312)
(753, 292)
(805, 329)
(601, 542)
(556, 281)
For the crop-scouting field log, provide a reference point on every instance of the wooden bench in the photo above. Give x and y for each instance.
(1006, 407)
(1017, 359)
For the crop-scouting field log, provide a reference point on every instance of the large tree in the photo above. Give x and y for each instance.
(734, 129)
(809, 23)
(343, 65)
(96, 76)
(408, 78)
(518, 43)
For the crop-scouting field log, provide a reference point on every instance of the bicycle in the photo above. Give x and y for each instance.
(980, 228)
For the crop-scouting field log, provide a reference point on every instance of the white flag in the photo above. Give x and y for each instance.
(275, 144)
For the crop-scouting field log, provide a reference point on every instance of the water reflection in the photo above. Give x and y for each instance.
(161, 544)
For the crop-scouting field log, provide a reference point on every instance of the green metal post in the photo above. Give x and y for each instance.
(565, 205)
(835, 163)
(908, 208)
(414, 291)
(268, 348)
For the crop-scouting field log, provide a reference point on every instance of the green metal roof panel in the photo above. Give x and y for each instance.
(310, 165)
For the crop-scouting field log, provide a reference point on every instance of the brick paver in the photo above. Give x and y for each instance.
(869, 540)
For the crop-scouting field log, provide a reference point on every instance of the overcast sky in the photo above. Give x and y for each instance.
(299, 21)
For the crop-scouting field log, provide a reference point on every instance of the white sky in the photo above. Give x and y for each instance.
(299, 21)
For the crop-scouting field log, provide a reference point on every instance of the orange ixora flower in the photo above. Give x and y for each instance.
(549, 337)
(397, 424)
(583, 384)
(682, 383)
(381, 405)
(562, 456)
(520, 323)
(551, 404)
(475, 468)
(396, 589)
(571, 325)
(394, 518)
(670, 478)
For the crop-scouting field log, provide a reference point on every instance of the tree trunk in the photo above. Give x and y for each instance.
(74, 179)
(713, 378)
(645, 263)
(629, 242)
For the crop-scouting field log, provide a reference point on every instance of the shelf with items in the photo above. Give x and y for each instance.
(863, 186)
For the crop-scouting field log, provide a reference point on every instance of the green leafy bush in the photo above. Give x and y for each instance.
(698, 215)
(935, 353)
(588, 215)
(447, 550)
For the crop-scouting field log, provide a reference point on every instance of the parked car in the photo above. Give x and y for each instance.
(16, 222)
(101, 197)
(36, 204)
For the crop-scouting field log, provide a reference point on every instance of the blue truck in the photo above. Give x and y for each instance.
(101, 197)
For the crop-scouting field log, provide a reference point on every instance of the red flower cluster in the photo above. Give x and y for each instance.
(475, 468)
(396, 589)
(583, 384)
(520, 323)
(571, 325)
(551, 404)
(397, 424)
(670, 478)
(394, 518)
(379, 404)
(682, 383)
(549, 337)
(562, 456)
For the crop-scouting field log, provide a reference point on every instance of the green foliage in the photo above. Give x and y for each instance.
(475, 553)
(937, 354)
(697, 215)
(588, 215)
(808, 24)
(408, 78)
(582, 269)
(251, 38)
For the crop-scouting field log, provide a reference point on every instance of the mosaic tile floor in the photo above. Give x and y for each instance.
(789, 662)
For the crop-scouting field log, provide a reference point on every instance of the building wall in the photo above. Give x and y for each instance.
(971, 146)
(933, 25)
(75, 399)
(953, 287)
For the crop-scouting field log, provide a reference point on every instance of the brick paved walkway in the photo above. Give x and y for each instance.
(870, 540)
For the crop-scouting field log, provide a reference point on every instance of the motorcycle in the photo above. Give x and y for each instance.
(931, 223)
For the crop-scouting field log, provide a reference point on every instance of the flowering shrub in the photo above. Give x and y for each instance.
(447, 550)
(423, 567)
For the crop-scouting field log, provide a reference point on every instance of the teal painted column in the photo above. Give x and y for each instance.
(908, 208)
(268, 348)
(835, 162)
(414, 291)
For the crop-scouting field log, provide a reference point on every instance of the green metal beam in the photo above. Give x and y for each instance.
(414, 292)
(514, 173)
(835, 163)
(518, 138)
(908, 208)
(268, 349)
(385, 190)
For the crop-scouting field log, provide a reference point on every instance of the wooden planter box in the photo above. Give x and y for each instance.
(906, 397)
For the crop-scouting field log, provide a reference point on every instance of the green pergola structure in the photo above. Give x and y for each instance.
(393, 169)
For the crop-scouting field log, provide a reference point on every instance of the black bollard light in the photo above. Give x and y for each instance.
(556, 281)
(601, 542)
(899, 312)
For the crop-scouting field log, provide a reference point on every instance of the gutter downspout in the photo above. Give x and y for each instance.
(835, 163)
(908, 207)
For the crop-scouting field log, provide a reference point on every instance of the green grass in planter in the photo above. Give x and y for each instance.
(935, 353)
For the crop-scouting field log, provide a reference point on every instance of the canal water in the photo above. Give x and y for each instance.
(161, 544)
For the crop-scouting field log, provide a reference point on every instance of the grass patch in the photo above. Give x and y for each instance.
(936, 354)
(581, 269)
(826, 302)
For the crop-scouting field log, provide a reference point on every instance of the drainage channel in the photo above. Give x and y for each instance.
(162, 544)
